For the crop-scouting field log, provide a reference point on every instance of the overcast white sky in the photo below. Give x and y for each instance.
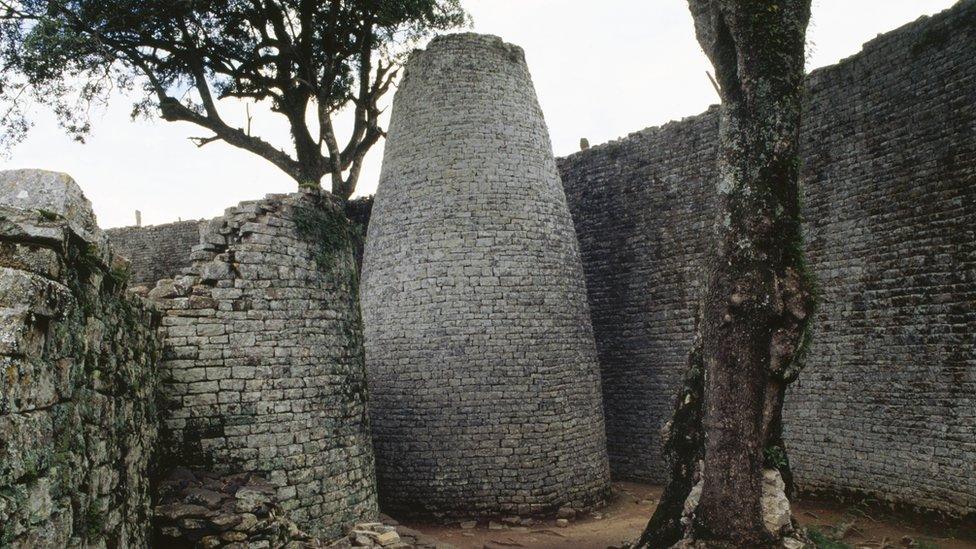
(602, 69)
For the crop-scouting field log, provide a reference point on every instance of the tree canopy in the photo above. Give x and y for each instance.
(308, 58)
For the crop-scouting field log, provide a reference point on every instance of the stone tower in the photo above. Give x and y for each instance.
(484, 384)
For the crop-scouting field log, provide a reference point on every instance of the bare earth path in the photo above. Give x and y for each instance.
(633, 504)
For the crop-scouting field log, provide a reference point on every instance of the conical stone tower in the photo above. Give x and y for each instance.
(484, 383)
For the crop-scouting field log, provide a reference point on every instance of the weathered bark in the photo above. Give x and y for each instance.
(759, 297)
(683, 449)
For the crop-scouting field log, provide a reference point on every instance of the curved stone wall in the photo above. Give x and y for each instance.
(155, 252)
(263, 367)
(484, 386)
(885, 404)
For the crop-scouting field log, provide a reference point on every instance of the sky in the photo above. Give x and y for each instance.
(602, 69)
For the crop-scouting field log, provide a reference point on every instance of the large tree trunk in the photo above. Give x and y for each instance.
(758, 299)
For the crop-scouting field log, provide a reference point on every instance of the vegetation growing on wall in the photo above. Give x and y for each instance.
(85, 450)
(327, 229)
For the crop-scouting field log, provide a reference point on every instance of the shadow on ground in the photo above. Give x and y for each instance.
(836, 525)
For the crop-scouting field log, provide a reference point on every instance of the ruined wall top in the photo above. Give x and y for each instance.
(54, 194)
(479, 44)
(263, 371)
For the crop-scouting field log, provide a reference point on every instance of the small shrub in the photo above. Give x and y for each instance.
(775, 457)
(47, 215)
(822, 540)
(325, 228)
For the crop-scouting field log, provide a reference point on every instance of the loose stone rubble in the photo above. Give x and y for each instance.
(203, 509)
(388, 534)
(200, 509)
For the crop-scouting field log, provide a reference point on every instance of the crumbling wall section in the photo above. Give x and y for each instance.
(156, 252)
(886, 403)
(78, 378)
(263, 369)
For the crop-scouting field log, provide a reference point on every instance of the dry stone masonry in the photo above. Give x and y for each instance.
(78, 358)
(484, 366)
(483, 377)
(156, 252)
(162, 251)
(263, 380)
(204, 509)
(263, 370)
(887, 403)
(240, 511)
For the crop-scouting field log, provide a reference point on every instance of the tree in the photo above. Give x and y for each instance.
(759, 297)
(308, 58)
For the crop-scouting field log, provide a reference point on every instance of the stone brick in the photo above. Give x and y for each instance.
(885, 405)
(260, 351)
(466, 354)
(77, 395)
(156, 252)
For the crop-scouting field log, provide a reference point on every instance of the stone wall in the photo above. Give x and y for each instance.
(263, 369)
(156, 252)
(78, 357)
(484, 384)
(887, 404)
(162, 251)
(358, 211)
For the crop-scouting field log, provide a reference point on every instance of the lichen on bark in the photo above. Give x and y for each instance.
(759, 296)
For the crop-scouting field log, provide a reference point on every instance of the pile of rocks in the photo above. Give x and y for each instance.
(372, 534)
(387, 535)
(201, 509)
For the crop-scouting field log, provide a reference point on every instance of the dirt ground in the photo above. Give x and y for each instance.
(625, 516)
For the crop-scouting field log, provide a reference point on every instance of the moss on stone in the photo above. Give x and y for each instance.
(116, 280)
(86, 259)
(327, 229)
(94, 523)
(47, 215)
